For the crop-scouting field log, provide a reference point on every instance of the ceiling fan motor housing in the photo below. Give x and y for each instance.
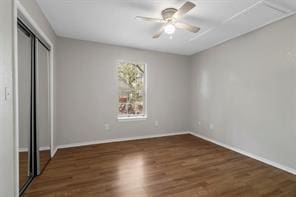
(168, 13)
(169, 20)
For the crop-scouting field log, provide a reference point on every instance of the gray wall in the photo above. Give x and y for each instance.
(86, 94)
(247, 88)
(7, 137)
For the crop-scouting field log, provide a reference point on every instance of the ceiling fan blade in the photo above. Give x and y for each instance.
(187, 27)
(158, 34)
(142, 18)
(184, 9)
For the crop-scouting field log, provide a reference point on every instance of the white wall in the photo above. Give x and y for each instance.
(7, 137)
(86, 92)
(247, 88)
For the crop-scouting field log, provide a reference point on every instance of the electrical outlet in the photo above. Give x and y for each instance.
(195, 125)
(199, 123)
(156, 123)
(107, 127)
(211, 126)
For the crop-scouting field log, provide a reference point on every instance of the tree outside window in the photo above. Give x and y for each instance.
(131, 77)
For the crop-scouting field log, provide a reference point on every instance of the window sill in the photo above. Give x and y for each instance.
(128, 119)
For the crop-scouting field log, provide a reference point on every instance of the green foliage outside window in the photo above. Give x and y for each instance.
(131, 88)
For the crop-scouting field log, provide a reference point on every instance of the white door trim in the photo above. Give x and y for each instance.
(34, 24)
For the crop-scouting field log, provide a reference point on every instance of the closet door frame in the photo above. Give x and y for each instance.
(32, 140)
(22, 14)
(33, 160)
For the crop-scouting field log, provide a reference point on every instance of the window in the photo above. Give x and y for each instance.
(132, 90)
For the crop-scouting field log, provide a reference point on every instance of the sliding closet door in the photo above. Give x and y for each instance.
(42, 106)
(25, 105)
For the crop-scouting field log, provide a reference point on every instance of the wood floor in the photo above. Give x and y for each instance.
(173, 166)
(23, 168)
(24, 165)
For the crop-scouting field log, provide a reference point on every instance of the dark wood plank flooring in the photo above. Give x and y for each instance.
(23, 168)
(173, 166)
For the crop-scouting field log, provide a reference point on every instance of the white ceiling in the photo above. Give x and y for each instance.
(112, 21)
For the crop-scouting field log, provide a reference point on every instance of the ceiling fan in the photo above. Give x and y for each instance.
(170, 18)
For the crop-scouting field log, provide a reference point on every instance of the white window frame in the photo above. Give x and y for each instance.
(133, 117)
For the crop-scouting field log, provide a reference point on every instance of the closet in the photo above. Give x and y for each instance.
(34, 137)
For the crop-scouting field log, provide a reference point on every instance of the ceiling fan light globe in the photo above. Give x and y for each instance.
(169, 29)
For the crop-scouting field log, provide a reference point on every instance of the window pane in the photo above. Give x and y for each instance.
(139, 108)
(131, 99)
(122, 108)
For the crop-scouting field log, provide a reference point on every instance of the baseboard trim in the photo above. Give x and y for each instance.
(251, 155)
(117, 140)
(54, 152)
(41, 149)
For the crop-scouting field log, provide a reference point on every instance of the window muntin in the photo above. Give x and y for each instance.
(132, 90)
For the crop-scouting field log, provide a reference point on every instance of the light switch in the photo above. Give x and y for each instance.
(7, 93)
